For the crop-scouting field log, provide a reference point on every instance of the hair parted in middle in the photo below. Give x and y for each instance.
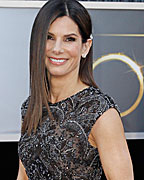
(39, 84)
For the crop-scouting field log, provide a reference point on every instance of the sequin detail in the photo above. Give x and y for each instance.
(60, 150)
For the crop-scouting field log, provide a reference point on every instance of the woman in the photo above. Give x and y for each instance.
(70, 129)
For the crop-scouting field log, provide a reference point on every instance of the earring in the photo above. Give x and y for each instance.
(84, 55)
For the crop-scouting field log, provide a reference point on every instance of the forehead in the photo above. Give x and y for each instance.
(64, 25)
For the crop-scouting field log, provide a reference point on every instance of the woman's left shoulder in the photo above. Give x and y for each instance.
(104, 101)
(108, 122)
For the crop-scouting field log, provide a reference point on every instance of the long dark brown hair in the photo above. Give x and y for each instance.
(39, 85)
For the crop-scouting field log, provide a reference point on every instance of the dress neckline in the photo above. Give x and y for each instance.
(83, 91)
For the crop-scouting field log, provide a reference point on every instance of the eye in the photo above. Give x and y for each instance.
(70, 39)
(49, 37)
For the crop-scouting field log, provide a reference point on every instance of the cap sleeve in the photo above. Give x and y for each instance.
(106, 102)
(24, 108)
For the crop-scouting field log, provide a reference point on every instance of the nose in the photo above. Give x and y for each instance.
(57, 48)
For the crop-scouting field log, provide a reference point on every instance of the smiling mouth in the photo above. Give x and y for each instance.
(57, 61)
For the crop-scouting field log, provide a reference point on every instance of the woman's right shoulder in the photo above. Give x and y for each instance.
(24, 106)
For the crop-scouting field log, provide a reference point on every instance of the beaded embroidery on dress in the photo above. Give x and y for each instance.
(60, 150)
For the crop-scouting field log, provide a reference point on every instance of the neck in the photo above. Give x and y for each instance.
(64, 87)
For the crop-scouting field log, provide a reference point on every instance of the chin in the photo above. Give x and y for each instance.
(57, 73)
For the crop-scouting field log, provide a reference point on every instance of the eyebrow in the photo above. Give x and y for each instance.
(66, 35)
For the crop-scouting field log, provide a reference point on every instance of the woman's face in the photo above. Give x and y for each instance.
(64, 48)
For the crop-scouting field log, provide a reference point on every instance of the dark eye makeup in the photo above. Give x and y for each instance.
(70, 39)
(49, 37)
(67, 39)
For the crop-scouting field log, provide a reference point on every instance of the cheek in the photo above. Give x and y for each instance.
(48, 46)
(75, 51)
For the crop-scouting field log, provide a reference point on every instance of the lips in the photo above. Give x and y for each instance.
(57, 61)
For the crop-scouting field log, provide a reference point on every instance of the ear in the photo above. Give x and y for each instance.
(86, 47)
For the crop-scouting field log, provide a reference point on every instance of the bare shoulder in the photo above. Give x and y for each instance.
(108, 135)
(108, 124)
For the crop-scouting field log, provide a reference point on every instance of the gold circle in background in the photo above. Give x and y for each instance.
(136, 69)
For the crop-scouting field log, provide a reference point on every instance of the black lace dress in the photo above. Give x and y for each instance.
(60, 150)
